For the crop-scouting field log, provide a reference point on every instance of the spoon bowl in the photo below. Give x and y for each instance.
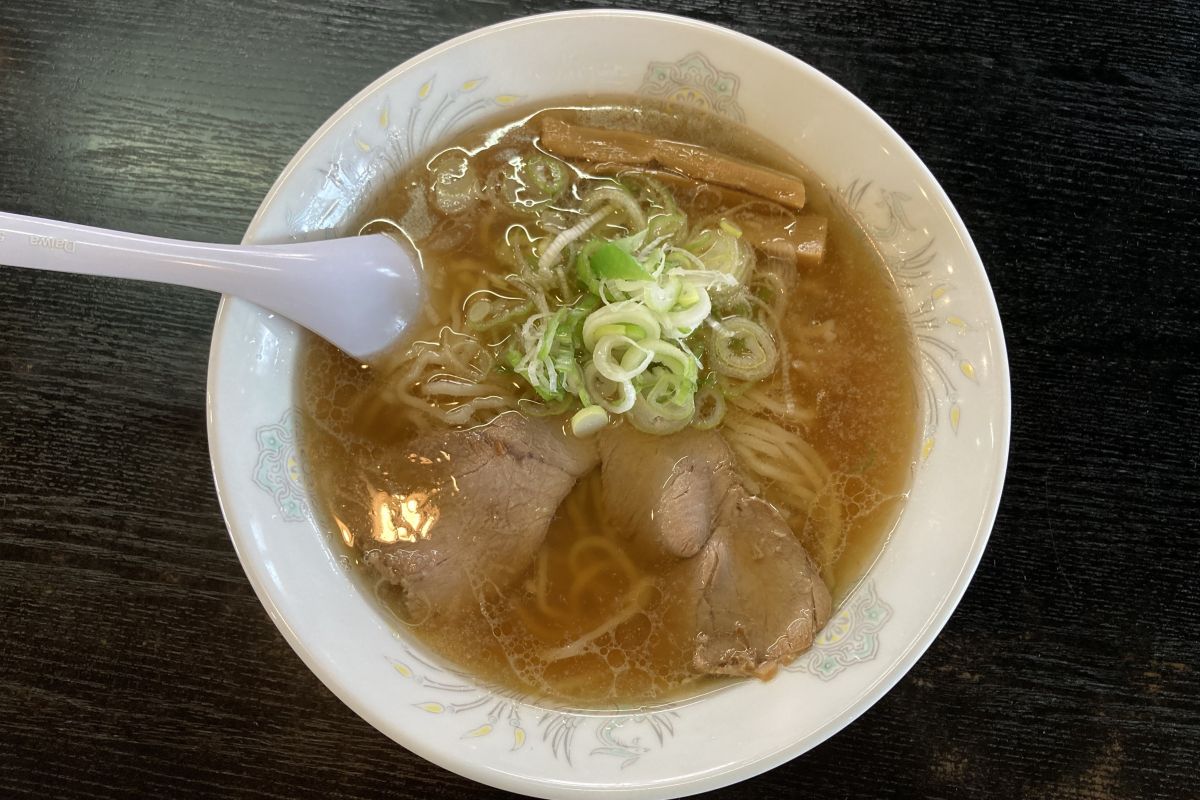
(359, 293)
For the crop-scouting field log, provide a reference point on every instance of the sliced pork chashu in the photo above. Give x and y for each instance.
(753, 596)
(663, 492)
(742, 585)
(481, 512)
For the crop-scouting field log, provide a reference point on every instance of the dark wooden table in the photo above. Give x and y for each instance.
(134, 657)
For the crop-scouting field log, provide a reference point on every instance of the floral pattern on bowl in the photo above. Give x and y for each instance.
(277, 471)
(850, 637)
(377, 148)
(488, 710)
(479, 710)
(694, 81)
(911, 253)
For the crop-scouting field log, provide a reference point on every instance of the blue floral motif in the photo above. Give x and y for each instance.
(277, 471)
(694, 81)
(851, 636)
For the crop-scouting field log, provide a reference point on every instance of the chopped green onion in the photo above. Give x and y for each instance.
(583, 268)
(625, 312)
(659, 418)
(547, 175)
(619, 335)
(511, 358)
(701, 241)
(454, 187)
(710, 408)
(662, 297)
(547, 338)
(674, 359)
(617, 196)
(669, 224)
(632, 243)
(719, 250)
(611, 330)
(616, 397)
(487, 312)
(588, 421)
(684, 322)
(549, 408)
(612, 263)
(572, 325)
(588, 303)
(743, 349)
(633, 358)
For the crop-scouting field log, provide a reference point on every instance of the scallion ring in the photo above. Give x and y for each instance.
(743, 349)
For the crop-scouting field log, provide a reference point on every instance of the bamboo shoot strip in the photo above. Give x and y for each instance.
(630, 147)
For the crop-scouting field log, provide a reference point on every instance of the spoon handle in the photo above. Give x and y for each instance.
(66, 247)
(322, 285)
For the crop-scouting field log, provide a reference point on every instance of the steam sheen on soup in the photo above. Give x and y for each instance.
(658, 419)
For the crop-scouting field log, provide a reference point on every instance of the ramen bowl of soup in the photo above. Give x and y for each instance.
(697, 440)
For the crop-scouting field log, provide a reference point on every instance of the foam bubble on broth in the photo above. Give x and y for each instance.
(851, 361)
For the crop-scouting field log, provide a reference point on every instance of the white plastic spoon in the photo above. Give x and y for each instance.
(358, 293)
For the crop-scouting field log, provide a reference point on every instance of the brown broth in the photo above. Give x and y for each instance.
(852, 354)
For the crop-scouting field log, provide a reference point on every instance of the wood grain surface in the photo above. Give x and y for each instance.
(134, 658)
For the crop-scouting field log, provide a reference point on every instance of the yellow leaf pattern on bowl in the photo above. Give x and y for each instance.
(912, 254)
(486, 707)
(475, 733)
(850, 637)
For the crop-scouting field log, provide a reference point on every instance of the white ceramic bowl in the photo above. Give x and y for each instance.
(883, 627)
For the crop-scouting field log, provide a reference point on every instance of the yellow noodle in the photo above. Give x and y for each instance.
(785, 480)
(758, 399)
(546, 633)
(584, 579)
(581, 520)
(454, 387)
(457, 298)
(543, 588)
(632, 607)
(798, 449)
(604, 544)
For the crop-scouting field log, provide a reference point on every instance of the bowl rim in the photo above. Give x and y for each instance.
(462, 764)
